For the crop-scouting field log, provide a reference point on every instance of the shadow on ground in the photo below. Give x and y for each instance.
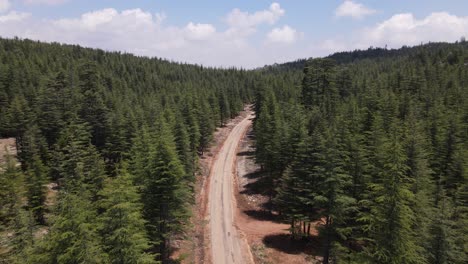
(264, 215)
(246, 153)
(255, 187)
(285, 243)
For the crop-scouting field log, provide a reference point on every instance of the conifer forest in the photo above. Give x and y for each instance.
(369, 148)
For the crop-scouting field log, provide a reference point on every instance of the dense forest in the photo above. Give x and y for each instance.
(370, 147)
(119, 134)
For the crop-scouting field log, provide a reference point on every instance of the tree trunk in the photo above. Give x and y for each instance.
(293, 228)
(326, 255)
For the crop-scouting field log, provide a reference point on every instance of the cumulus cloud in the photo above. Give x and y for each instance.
(397, 31)
(242, 24)
(405, 29)
(4, 5)
(44, 2)
(354, 10)
(14, 16)
(285, 34)
(199, 31)
(238, 18)
(89, 21)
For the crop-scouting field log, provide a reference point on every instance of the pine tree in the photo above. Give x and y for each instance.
(143, 146)
(333, 198)
(182, 141)
(11, 191)
(207, 127)
(268, 141)
(36, 179)
(77, 165)
(164, 193)
(32, 144)
(443, 248)
(73, 237)
(117, 140)
(391, 217)
(224, 107)
(121, 224)
(93, 109)
(53, 106)
(19, 117)
(23, 240)
(292, 195)
(4, 114)
(417, 150)
(296, 187)
(193, 129)
(319, 86)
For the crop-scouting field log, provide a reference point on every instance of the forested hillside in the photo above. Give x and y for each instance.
(119, 134)
(372, 148)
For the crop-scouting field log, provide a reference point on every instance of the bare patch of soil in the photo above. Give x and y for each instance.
(7, 147)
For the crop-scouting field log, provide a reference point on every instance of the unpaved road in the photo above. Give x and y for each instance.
(227, 245)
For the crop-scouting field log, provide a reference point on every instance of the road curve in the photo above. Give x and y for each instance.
(226, 244)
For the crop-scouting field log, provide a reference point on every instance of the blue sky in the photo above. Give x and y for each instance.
(243, 33)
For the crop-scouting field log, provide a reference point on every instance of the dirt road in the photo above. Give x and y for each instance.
(227, 244)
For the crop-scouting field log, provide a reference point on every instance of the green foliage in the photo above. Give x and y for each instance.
(164, 190)
(391, 217)
(93, 110)
(36, 179)
(73, 237)
(369, 145)
(382, 161)
(11, 191)
(76, 164)
(121, 224)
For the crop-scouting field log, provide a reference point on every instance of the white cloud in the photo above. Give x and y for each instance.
(89, 20)
(241, 19)
(4, 5)
(405, 29)
(199, 31)
(397, 31)
(44, 2)
(14, 16)
(355, 10)
(242, 24)
(285, 35)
